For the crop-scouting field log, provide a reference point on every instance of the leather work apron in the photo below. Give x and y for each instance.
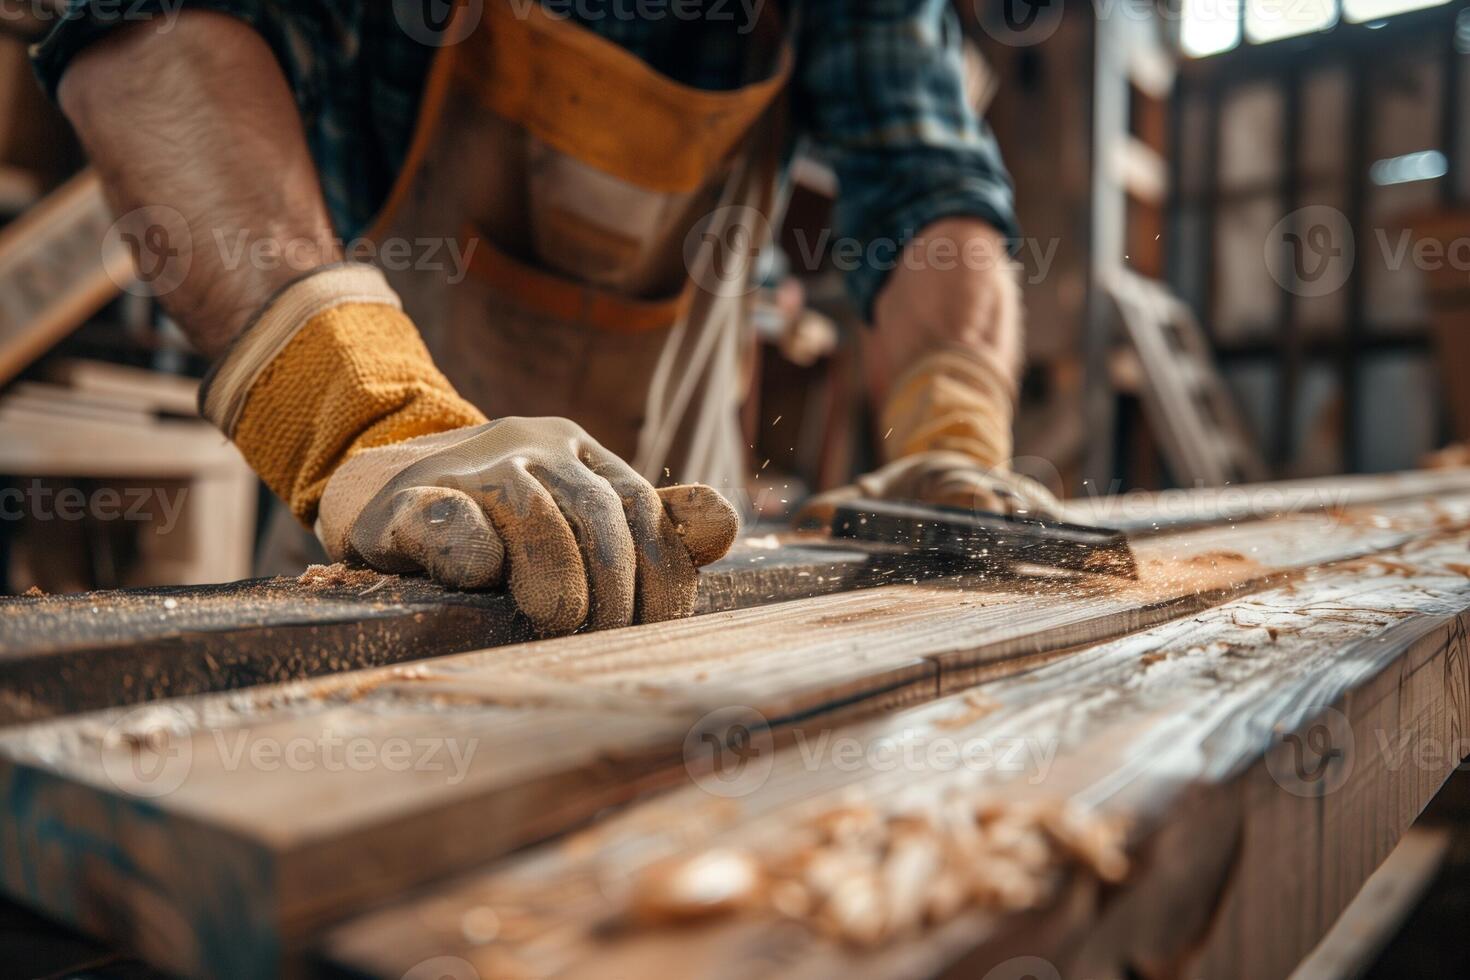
(613, 215)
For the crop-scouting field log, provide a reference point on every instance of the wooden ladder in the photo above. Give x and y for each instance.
(1199, 427)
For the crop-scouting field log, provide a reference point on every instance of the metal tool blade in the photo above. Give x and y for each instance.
(986, 538)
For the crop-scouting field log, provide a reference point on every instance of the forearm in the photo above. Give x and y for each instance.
(954, 287)
(200, 120)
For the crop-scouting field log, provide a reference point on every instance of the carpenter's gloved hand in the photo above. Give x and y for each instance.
(947, 424)
(331, 396)
(576, 525)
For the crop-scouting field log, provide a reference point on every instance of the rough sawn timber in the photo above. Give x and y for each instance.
(81, 652)
(1268, 753)
(70, 653)
(163, 827)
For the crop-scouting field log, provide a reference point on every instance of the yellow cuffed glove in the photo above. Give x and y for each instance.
(946, 440)
(332, 397)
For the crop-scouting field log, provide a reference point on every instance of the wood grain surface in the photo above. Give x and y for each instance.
(218, 834)
(1267, 754)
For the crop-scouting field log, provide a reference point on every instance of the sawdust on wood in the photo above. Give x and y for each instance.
(1205, 572)
(864, 878)
(339, 576)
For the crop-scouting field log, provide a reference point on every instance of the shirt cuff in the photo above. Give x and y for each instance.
(896, 228)
(84, 21)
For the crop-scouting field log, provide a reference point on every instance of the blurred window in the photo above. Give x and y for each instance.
(1209, 27)
(1357, 11)
(1272, 20)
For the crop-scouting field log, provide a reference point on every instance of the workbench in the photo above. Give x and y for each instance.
(861, 762)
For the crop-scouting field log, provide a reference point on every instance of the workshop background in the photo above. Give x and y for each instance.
(1247, 257)
(1240, 263)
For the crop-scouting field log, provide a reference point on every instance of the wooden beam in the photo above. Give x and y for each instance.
(80, 652)
(69, 653)
(1387, 899)
(1242, 852)
(56, 269)
(242, 855)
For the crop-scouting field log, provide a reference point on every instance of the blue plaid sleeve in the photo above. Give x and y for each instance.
(880, 89)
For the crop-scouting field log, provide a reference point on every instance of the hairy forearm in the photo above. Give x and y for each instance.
(199, 121)
(954, 286)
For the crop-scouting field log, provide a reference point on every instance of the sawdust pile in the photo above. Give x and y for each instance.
(1207, 571)
(864, 878)
(339, 576)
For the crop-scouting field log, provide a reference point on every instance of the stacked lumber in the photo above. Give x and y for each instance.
(570, 807)
(107, 421)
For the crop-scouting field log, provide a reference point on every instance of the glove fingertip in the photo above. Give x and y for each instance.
(706, 522)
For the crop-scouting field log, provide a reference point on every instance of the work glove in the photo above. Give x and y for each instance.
(946, 429)
(332, 397)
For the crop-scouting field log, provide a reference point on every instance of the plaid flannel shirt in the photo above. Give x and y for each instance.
(878, 88)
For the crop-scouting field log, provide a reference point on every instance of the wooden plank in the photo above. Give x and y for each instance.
(245, 859)
(43, 442)
(1242, 852)
(69, 653)
(1387, 899)
(64, 654)
(56, 269)
(152, 390)
(1143, 512)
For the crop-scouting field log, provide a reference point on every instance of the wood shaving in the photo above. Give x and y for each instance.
(976, 706)
(865, 878)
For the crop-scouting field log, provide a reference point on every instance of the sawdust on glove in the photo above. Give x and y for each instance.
(333, 398)
(947, 440)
